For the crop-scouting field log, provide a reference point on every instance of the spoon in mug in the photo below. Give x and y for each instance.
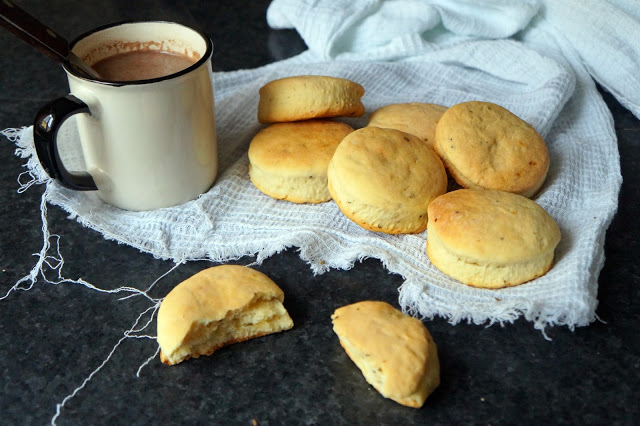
(43, 38)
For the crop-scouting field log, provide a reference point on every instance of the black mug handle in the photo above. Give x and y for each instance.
(45, 137)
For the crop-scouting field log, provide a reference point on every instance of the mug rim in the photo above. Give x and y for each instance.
(205, 57)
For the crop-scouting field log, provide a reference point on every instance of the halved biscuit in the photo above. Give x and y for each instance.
(490, 239)
(384, 180)
(485, 146)
(289, 161)
(416, 118)
(217, 307)
(309, 96)
(394, 351)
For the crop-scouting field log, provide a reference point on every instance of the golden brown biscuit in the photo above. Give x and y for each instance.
(384, 179)
(217, 307)
(416, 118)
(490, 239)
(309, 96)
(484, 146)
(289, 161)
(394, 351)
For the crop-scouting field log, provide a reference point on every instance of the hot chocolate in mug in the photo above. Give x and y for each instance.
(147, 126)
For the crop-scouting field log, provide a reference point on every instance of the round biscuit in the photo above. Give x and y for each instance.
(384, 179)
(485, 146)
(288, 161)
(490, 239)
(416, 118)
(309, 96)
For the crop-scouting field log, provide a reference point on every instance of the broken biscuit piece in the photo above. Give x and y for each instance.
(217, 307)
(394, 351)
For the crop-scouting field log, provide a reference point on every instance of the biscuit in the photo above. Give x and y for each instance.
(490, 239)
(289, 161)
(217, 307)
(484, 146)
(416, 118)
(309, 96)
(394, 351)
(384, 179)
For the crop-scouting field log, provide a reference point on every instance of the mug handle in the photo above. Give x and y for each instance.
(45, 137)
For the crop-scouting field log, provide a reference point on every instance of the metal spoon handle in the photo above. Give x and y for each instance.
(38, 35)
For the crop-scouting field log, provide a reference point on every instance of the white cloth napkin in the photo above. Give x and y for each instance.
(513, 53)
(605, 34)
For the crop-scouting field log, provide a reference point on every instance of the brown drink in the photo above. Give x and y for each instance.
(142, 65)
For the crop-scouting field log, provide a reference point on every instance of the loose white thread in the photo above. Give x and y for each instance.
(32, 277)
(148, 289)
(55, 262)
(127, 334)
(144, 364)
(37, 177)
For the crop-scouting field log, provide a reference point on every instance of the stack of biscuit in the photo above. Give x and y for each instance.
(288, 159)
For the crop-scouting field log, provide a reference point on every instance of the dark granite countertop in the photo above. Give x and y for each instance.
(53, 336)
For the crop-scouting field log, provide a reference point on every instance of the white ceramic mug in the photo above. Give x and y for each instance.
(146, 144)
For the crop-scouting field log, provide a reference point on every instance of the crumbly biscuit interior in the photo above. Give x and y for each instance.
(261, 317)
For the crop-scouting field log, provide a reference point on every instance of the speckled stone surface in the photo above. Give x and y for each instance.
(52, 337)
